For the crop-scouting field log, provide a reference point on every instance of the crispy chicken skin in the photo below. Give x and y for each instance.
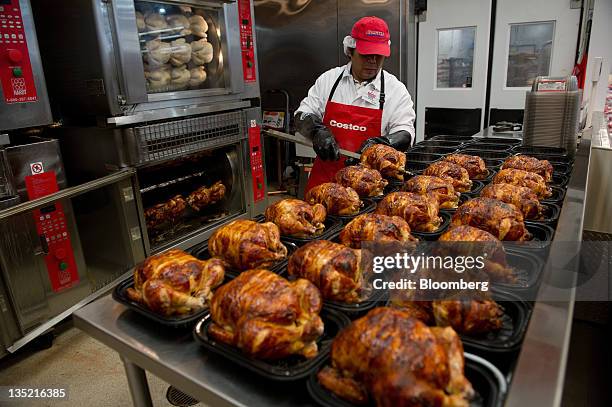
(420, 211)
(336, 199)
(496, 265)
(385, 159)
(205, 196)
(175, 283)
(474, 165)
(377, 228)
(245, 244)
(392, 359)
(334, 268)
(440, 188)
(297, 218)
(502, 220)
(521, 197)
(170, 210)
(523, 178)
(365, 181)
(451, 171)
(266, 316)
(530, 164)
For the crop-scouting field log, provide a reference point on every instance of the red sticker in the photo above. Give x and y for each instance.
(259, 183)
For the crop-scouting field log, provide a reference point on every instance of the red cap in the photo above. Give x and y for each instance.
(372, 36)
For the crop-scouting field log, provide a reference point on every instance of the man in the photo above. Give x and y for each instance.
(356, 105)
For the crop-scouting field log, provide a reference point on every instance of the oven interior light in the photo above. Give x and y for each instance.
(162, 11)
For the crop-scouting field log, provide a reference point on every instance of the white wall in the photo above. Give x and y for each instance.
(600, 46)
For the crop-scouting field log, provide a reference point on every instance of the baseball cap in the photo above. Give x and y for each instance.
(372, 36)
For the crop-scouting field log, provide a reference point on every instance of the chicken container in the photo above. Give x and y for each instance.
(392, 187)
(486, 155)
(440, 143)
(550, 215)
(558, 195)
(554, 159)
(498, 140)
(287, 369)
(527, 268)
(491, 163)
(477, 186)
(463, 198)
(448, 137)
(422, 157)
(433, 236)
(490, 146)
(559, 180)
(564, 169)
(415, 167)
(371, 298)
(432, 150)
(368, 206)
(332, 227)
(549, 151)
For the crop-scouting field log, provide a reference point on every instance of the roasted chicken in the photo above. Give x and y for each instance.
(205, 196)
(365, 181)
(334, 268)
(474, 165)
(175, 283)
(297, 218)
(522, 197)
(531, 164)
(245, 244)
(440, 188)
(266, 316)
(453, 172)
(336, 199)
(388, 358)
(523, 178)
(377, 228)
(502, 220)
(420, 211)
(168, 211)
(385, 159)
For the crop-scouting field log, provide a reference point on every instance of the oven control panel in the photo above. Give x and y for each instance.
(15, 68)
(246, 41)
(257, 172)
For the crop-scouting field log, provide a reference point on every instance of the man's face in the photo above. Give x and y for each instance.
(366, 67)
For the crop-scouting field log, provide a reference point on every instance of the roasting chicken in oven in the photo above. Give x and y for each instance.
(453, 172)
(168, 211)
(245, 244)
(477, 242)
(376, 228)
(502, 220)
(387, 358)
(175, 283)
(531, 164)
(385, 159)
(334, 268)
(523, 178)
(440, 188)
(336, 199)
(420, 211)
(266, 316)
(522, 197)
(365, 181)
(297, 218)
(474, 165)
(205, 196)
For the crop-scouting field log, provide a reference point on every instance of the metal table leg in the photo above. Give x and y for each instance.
(137, 381)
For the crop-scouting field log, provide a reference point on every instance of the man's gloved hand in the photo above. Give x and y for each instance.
(325, 145)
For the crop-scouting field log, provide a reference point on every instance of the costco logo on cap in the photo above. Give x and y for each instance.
(371, 36)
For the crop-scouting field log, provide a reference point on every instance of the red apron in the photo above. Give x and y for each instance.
(351, 126)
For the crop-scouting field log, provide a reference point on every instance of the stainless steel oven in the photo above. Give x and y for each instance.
(131, 61)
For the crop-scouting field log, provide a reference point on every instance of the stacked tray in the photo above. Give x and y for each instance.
(332, 226)
(432, 150)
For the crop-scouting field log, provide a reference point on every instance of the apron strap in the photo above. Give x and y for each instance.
(381, 98)
(331, 94)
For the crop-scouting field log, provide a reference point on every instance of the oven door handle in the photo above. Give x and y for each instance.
(43, 249)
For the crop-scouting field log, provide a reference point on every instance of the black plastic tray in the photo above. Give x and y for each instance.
(498, 140)
(440, 143)
(558, 195)
(391, 187)
(432, 150)
(414, 166)
(288, 369)
(483, 380)
(490, 147)
(548, 151)
(540, 232)
(368, 206)
(374, 299)
(177, 322)
(550, 214)
(484, 154)
(331, 226)
(477, 186)
(463, 198)
(451, 137)
(422, 157)
(528, 270)
(493, 163)
(554, 159)
(564, 169)
(432, 236)
(559, 180)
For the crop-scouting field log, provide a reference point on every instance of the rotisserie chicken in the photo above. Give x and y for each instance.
(205, 196)
(522, 197)
(387, 358)
(175, 283)
(440, 188)
(365, 181)
(168, 211)
(386, 160)
(420, 211)
(266, 316)
(478, 243)
(336, 199)
(297, 218)
(531, 164)
(502, 220)
(334, 268)
(376, 228)
(245, 244)
(474, 165)
(523, 178)
(455, 173)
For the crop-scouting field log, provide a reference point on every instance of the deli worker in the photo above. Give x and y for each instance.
(356, 105)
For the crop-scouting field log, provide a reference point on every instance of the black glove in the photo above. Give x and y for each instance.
(323, 141)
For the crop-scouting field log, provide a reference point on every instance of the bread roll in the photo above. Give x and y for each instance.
(180, 22)
(140, 22)
(159, 52)
(181, 52)
(201, 52)
(198, 76)
(180, 77)
(198, 25)
(155, 21)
